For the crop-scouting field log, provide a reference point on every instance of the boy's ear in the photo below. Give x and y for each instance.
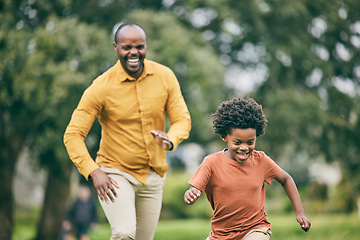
(223, 137)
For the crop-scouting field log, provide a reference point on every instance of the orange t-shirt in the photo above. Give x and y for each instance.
(236, 192)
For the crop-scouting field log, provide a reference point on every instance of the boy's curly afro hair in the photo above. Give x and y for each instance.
(239, 113)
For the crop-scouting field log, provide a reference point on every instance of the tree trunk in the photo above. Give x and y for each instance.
(9, 152)
(55, 204)
(7, 167)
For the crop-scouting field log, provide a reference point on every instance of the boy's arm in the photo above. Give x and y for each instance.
(191, 195)
(289, 186)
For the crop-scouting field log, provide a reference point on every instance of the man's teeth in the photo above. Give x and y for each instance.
(133, 60)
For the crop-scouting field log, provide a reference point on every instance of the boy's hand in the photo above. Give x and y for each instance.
(191, 195)
(304, 222)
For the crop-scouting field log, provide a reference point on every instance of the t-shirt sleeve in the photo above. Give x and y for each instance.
(202, 176)
(272, 170)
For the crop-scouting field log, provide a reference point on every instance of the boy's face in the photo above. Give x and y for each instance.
(241, 143)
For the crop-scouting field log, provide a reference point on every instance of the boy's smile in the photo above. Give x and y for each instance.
(240, 143)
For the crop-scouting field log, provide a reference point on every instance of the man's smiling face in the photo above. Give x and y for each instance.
(131, 49)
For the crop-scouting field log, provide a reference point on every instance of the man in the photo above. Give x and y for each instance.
(130, 101)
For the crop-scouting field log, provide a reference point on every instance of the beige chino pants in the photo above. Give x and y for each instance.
(261, 233)
(135, 212)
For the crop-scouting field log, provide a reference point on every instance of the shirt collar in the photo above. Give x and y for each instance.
(123, 75)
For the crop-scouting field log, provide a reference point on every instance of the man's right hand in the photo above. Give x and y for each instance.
(104, 185)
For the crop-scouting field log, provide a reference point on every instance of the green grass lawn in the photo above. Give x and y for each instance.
(329, 227)
(284, 227)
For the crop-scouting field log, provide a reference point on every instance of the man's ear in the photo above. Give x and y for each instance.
(115, 47)
(223, 137)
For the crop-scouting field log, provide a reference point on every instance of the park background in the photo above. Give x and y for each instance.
(299, 59)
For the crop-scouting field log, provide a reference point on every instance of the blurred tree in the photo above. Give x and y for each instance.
(300, 49)
(67, 57)
(43, 74)
(296, 119)
(103, 13)
(13, 113)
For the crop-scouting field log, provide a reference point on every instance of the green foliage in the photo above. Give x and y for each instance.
(54, 76)
(343, 199)
(305, 121)
(174, 205)
(300, 40)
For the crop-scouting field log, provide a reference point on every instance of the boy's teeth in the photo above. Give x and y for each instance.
(133, 60)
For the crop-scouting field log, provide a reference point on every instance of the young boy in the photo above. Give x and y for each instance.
(234, 178)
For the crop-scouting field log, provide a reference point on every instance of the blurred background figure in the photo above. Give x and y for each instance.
(81, 216)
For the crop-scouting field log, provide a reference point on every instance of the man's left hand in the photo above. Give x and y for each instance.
(162, 139)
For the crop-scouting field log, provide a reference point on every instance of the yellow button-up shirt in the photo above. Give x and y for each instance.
(128, 109)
